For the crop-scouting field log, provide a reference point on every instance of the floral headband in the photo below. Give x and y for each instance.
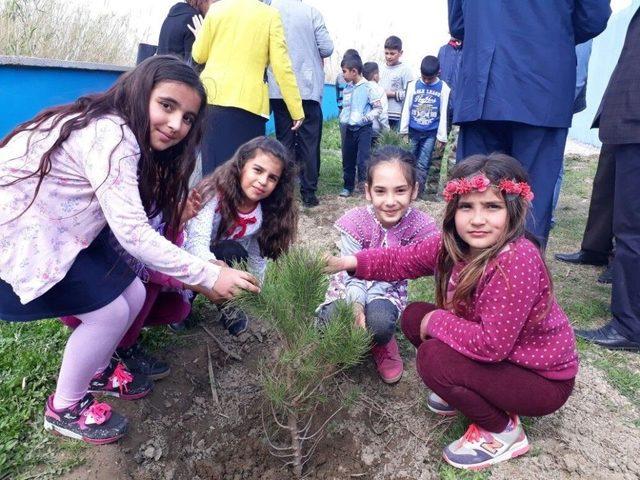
(479, 182)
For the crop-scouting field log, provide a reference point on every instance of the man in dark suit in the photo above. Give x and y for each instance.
(516, 87)
(619, 121)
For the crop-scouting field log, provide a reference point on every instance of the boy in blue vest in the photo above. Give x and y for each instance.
(424, 115)
(361, 105)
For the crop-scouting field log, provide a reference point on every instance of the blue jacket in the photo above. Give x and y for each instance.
(519, 60)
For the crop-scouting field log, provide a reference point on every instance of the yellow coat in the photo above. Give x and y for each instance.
(238, 40)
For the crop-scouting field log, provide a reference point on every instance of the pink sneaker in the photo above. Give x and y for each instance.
(388, 361)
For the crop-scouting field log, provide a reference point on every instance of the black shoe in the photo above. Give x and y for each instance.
(117, 381)
(234, 320)
(606, 276)
(185, 325)
(584, 257)
(140, 362)
(310, 201)
(608, 337)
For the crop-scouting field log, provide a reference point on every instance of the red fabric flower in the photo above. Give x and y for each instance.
(480, 183)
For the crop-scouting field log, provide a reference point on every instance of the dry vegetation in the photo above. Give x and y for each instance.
(59, 30)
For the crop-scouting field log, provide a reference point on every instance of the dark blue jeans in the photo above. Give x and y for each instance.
(422, 144)
(380, 318)
(356, 151)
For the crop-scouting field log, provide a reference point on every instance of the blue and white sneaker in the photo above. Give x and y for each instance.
(439, 406)
(479, 448)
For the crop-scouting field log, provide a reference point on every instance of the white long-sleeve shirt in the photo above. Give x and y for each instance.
(204, 227)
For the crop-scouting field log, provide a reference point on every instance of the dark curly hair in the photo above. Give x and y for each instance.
(279, 210)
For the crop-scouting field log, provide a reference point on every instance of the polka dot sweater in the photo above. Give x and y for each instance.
(513, 315)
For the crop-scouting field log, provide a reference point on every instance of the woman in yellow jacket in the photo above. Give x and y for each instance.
(237, 41)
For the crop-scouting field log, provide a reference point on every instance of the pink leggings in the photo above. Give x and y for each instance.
(483, 392)
(92, 343)
(160, 308)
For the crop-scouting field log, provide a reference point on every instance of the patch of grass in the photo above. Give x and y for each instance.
(330, 182)
(30, 355)
(447, 472)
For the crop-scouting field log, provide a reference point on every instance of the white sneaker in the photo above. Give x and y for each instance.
(478, 448)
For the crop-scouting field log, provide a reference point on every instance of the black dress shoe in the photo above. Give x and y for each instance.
(584, 257)
(608, 337)
(606, 276)
(310, 201)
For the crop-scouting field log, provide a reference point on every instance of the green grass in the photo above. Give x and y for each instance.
(30, 356)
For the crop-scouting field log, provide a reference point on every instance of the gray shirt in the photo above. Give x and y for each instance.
(308, 42)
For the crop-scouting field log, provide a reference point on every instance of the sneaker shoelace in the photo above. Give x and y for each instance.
(121, 377)
(475, 433)
(98, 413)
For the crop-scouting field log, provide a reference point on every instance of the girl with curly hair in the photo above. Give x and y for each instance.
(248, 214)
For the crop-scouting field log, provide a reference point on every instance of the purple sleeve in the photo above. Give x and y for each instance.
(504, 303)
(399, 263)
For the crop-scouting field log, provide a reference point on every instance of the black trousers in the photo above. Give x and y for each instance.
(625, 294)
(356, 150)
(226, 129)
(304, 143)
(598, 233)
(540, 151)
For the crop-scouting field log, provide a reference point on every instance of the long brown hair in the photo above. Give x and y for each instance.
(162, 176)
(279, 212)
(495, 167)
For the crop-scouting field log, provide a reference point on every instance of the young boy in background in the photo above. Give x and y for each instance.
(371, 72)
(361, 105)
(424, 116)
(394, 78)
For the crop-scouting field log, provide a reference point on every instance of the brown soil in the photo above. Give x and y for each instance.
(178, 432)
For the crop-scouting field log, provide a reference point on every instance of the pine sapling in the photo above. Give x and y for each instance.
(306, 356)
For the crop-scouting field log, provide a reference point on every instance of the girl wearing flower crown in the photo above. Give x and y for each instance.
(496, 345)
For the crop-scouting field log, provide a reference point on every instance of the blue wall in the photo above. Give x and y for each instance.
(25, 90)
(604, 56)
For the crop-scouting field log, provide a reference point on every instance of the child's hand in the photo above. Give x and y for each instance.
(219, 263)
(192, 206)
(358, 310)
(424, 325)
(440, 145)
(230, 283)
(335, 264)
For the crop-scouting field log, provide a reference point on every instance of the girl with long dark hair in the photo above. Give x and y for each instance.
(249, 212)
(70, 178)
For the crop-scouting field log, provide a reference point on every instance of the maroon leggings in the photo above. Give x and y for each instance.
(483, 392)
(160, 308)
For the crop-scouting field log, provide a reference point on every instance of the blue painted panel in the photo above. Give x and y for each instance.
(25, 91)
(329, 106)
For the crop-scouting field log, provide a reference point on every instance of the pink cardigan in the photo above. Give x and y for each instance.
(513, 315)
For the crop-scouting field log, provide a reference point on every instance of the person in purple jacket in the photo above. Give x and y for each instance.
(496, 333)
